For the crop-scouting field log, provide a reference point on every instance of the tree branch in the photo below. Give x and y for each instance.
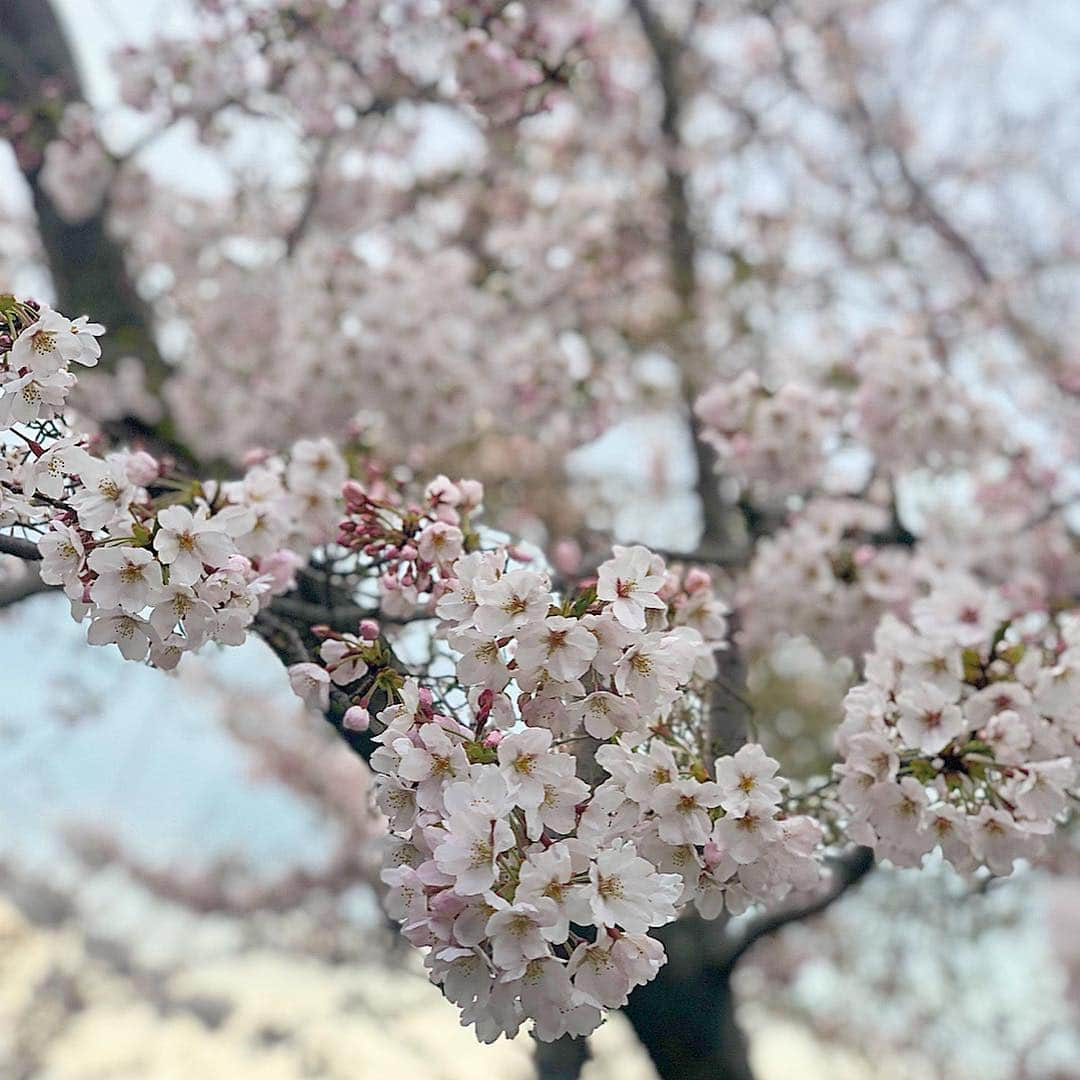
(311, 197)
(11, 592)
(848, 870)
(294, 644)
(21, 549)
(667, 52)
(562, 1059)
(921, 205)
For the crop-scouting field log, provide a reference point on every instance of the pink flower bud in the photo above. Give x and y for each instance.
(472, 494)
(255, 456)
(492, 739)
(353, 494)
(670, 587)
(566, 555)
(281, 565)
(696, 579)
(864, 555)
(239, 564)
(713, 855)
(356, 718)
(142, 468)
(369, 629)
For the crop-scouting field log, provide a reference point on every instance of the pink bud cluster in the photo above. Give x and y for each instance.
(965, 734)
(411, 544)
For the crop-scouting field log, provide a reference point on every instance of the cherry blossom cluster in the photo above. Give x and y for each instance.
(910, 411)
(497, 58)
(554, 798)
(773, 443)
(510, 50)
(534, 280)
(965, 734)
(821, 576)
(906, 410)
(37, 348)
(159, 567)
(76, 170)
(159, 564)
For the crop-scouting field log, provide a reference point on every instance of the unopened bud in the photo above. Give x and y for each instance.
(356, 718)
(696, 579)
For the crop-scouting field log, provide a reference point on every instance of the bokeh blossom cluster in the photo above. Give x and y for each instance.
(821, 575)
(901, 407)
(773, 443)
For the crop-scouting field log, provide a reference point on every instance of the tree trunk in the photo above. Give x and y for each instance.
(88, 269)
(685, 1018)
(562, 1059)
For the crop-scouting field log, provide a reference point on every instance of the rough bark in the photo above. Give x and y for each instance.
(685, 1018)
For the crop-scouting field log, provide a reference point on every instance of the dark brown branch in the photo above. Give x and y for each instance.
(562, 1059)
(342, 616)
(311, 197)
(21, 549)
(11, 592)
(293, 644)
(848, 870)
(686, 1017)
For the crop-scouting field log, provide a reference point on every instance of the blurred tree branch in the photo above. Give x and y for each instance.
(21, 549)
(667, 51)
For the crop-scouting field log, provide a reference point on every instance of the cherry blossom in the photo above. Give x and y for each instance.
(631, 581)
